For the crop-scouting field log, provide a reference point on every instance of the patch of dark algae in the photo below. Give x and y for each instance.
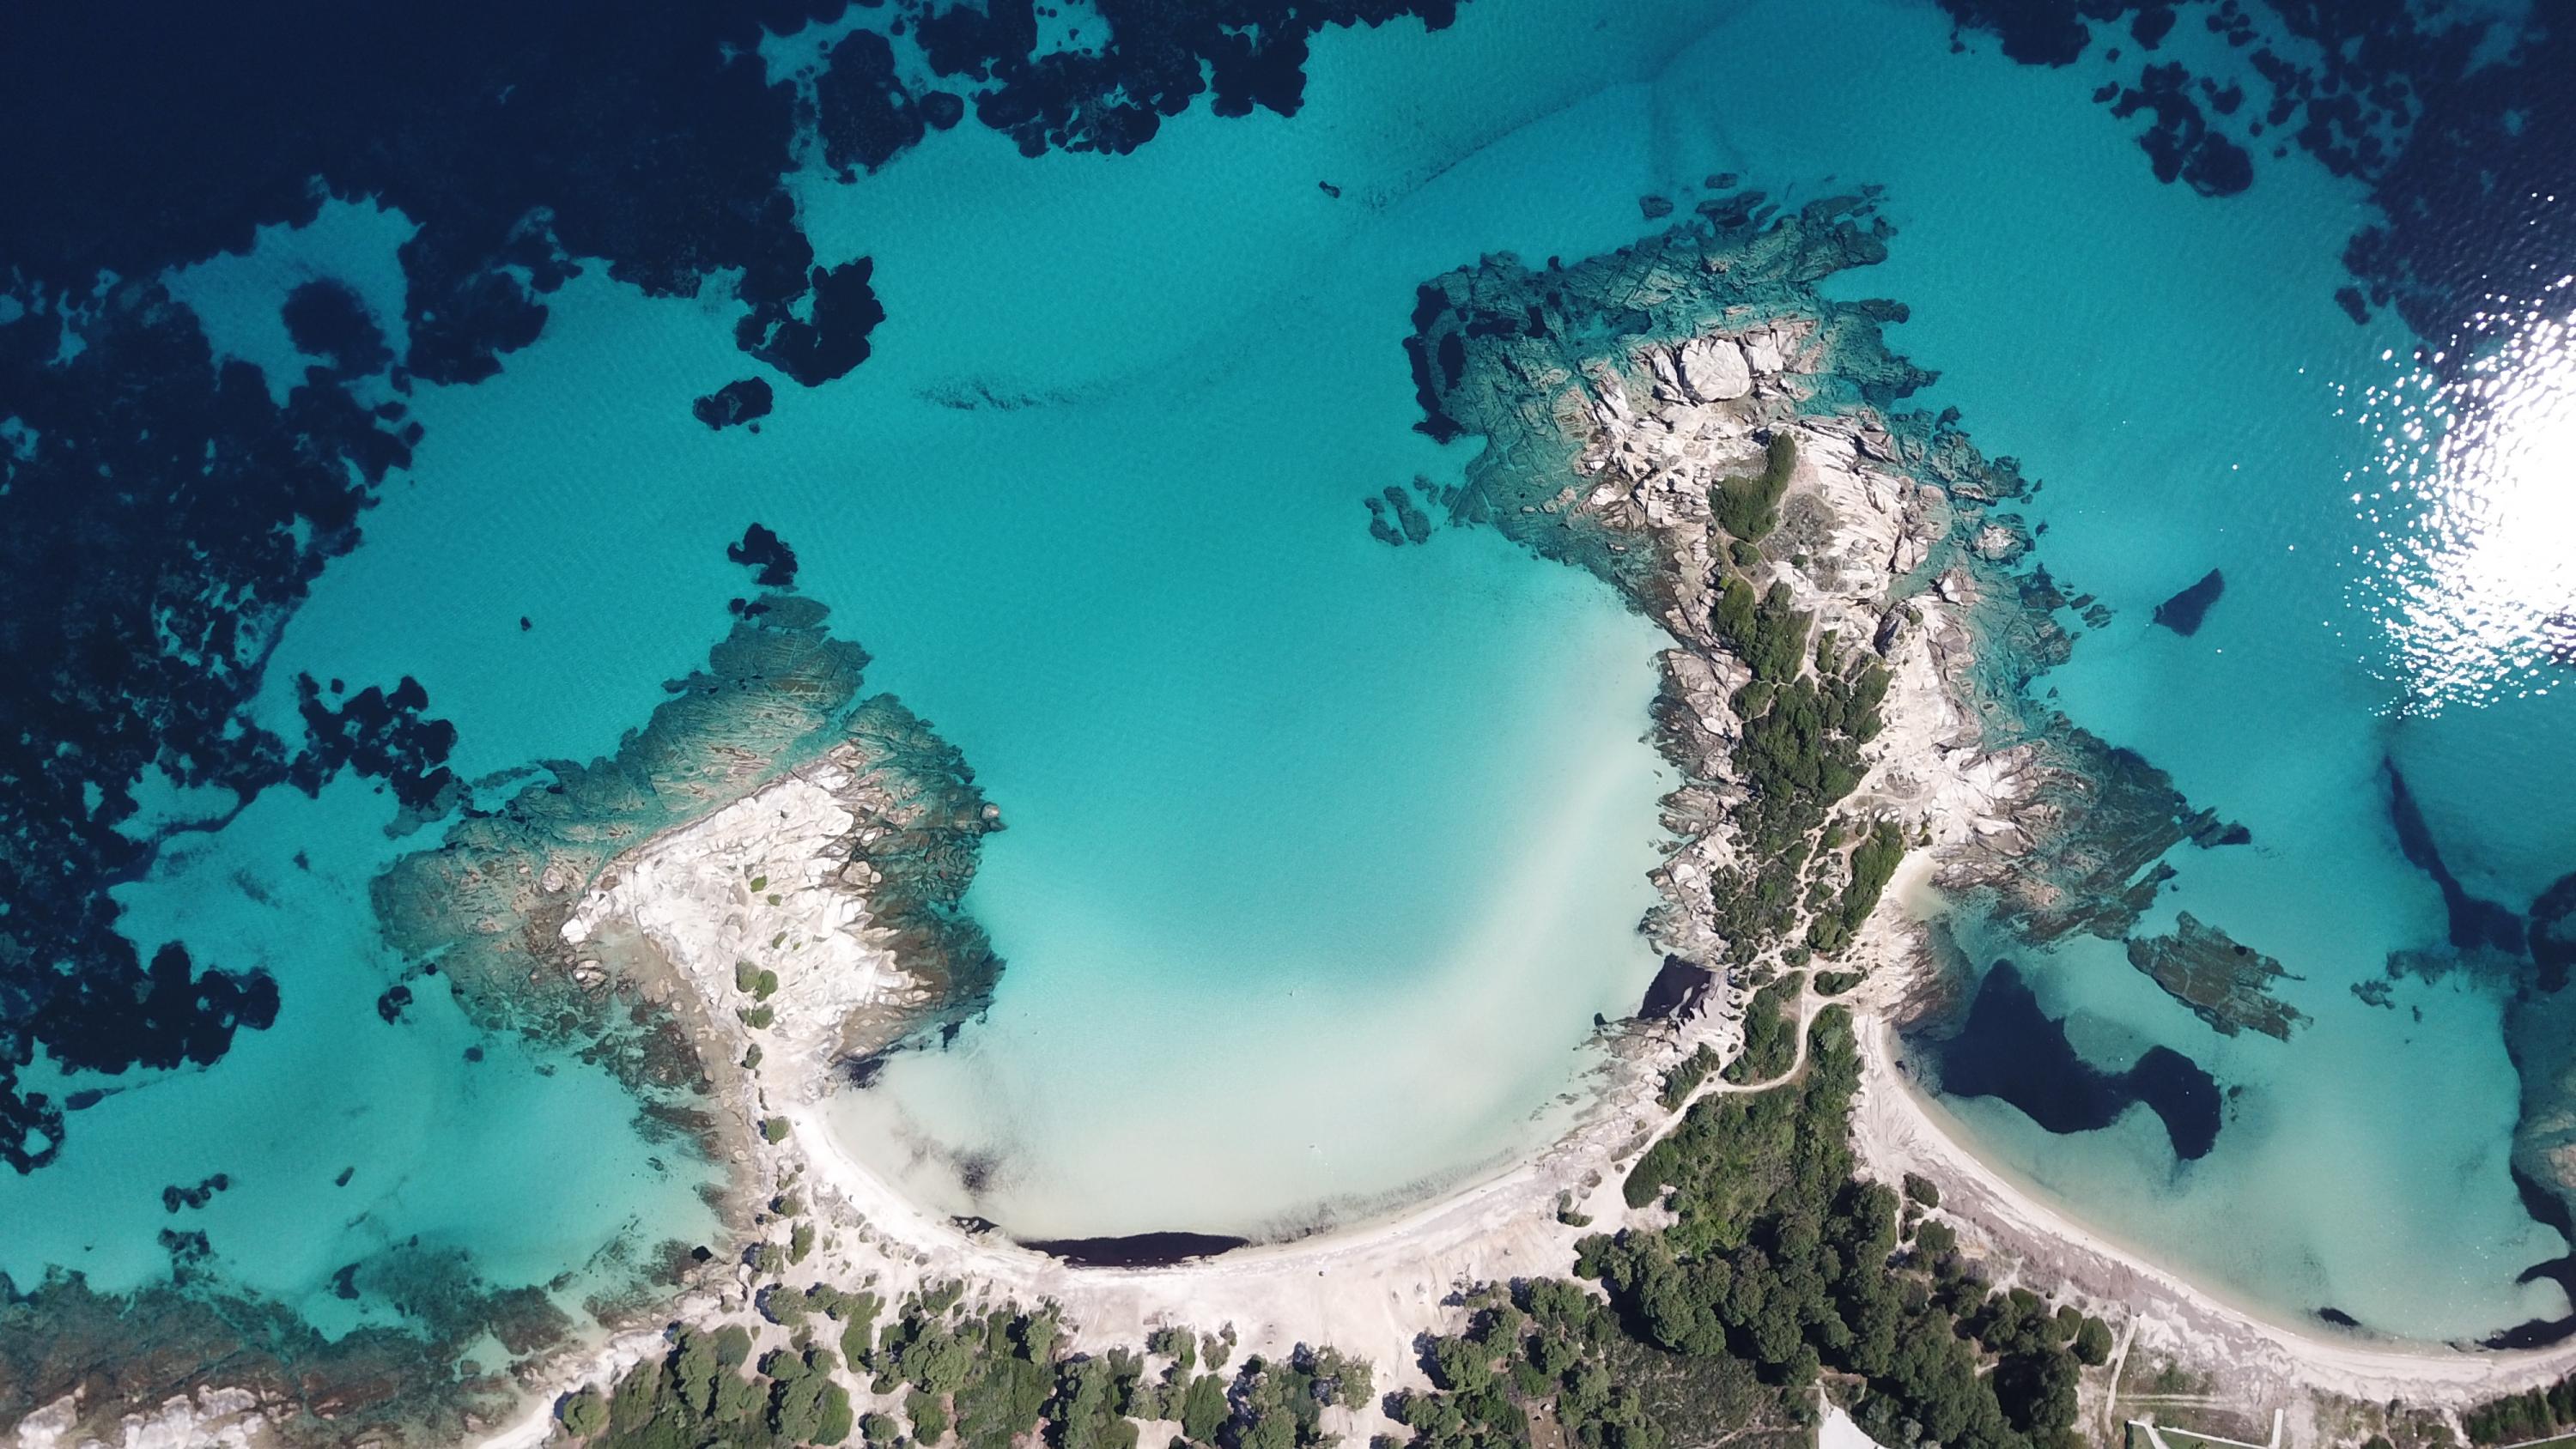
(2012, 1049)
(2460, 122)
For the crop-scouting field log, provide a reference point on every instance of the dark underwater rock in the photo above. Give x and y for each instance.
(2183, 612)
(2458, 124)
(766, 552)
(863, 115)
(326, 318)
(2182, 145)
(379, 735)
(2011, 1049)
(2476, 924)
(163, 517)
(842, 309)
(2552, 933)
(175, 1197)
(1395, 519)
(2225, 984)
(733, 404)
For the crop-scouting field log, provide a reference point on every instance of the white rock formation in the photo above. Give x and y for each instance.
(1714, 369)
(770, 881)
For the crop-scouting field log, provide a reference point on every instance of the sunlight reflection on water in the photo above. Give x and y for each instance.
(2474, 570)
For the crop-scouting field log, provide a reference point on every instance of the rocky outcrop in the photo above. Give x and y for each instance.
(821, 911)
(1866, 591)
(2224, 983)
(872, 826)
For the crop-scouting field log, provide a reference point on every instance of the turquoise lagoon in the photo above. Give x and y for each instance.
(1321, 855)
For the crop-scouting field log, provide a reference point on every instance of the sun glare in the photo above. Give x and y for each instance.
(2475, 560)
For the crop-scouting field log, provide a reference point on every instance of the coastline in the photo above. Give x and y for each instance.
(1895, 1133)
(1909, 566)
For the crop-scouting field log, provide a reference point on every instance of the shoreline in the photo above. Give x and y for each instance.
(1372, 1287)
(1894, 1132)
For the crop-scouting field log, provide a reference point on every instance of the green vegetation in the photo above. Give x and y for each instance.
(1798, 756)
(775, 1129)
(1769, 635)
(1781, 1267)
(1770, 1034)
(2535, 1414)
(1175, 1344)
(2093, 1342)
(1686, 1076)
(984, 1378)
(1835, 983)
(1748, 507)
(761, 982)
(697, 1396)
(1873, 863)
(1922, 1191)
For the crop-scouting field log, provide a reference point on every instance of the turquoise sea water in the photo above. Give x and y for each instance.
(1321, 855)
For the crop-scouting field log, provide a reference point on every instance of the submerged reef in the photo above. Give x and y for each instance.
(2183, 612)
(2224, 983)
(161, 517)
(2476, 924)
(1691, 420)
(736, 404)
(80, 1361)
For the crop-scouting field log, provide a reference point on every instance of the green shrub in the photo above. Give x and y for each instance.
(929, 1416)
(583, 1414)
(1748, 507)
(1770, 1036)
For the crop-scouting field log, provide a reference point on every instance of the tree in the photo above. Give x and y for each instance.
(2093, 1342)
(929, 1416)
(1204, 1409)
(583, 1414)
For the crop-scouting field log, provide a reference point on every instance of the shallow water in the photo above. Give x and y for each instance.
(1322, 855)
